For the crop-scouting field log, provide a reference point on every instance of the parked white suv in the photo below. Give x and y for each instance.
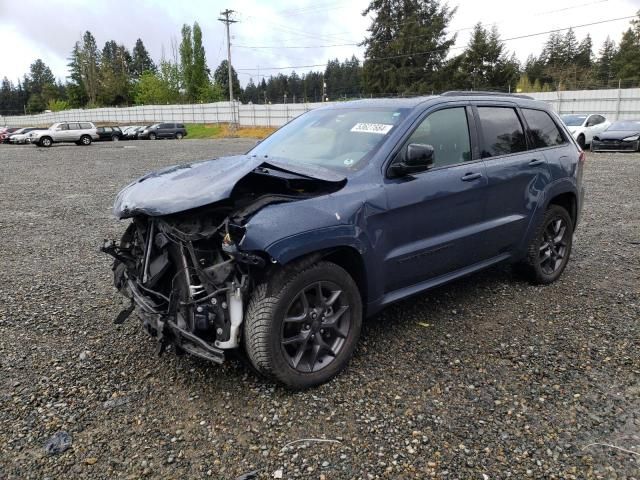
(584, 126)
(80, 133)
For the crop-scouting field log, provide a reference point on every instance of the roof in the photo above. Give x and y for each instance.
(412, 102)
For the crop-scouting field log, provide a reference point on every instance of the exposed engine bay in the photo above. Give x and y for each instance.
(186, 273)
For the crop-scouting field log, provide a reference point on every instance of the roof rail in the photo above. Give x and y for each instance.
(469, 93)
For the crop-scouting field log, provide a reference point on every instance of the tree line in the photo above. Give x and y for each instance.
(408, 51)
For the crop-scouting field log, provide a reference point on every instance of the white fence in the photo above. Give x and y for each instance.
(221, 112)
(614, 104)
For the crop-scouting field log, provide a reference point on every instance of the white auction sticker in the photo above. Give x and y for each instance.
(381, 128)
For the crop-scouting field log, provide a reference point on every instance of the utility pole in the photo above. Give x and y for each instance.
(227, 21)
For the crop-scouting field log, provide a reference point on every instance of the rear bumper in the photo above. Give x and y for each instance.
(614, 146)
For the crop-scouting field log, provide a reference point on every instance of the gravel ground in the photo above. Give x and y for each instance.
(484, 378)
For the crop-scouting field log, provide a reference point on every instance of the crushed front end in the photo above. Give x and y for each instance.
(187, 278)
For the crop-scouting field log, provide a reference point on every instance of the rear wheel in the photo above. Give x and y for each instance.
(303, 332)
(581, 141)
(550, 248)
(85, 140)
(115, 138)
(178, 136)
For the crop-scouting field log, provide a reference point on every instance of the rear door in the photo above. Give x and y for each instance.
(517, 175)
(165, 130)
(434, 218)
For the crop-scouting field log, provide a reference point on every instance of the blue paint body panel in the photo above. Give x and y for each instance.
(412, 233)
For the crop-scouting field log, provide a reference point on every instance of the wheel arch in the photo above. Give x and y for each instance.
(347, 256)
(567, 200)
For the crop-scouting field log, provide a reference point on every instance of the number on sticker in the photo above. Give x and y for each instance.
(381, 128)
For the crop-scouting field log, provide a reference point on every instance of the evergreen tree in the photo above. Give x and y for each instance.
(584, 54)
(76, 90)
(221, 77)
(186, 62)
(115, 81)
(407, 45)
(199, 73)
(484, 64)
(569, 48)
(42, 86)
(141, 60)
(605, 69)
(90, 64)
(626, 63)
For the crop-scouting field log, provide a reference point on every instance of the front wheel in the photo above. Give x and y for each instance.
(550, 248)
(152, 136)
(45, 142)
(303, 331)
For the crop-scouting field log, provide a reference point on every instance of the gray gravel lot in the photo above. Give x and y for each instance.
(488, 377)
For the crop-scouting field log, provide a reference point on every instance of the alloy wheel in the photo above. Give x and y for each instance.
(553, 248)
(315, 327)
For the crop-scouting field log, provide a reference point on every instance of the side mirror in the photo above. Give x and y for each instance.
(418, 157)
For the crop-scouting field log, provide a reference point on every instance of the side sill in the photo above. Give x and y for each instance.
(405, 292)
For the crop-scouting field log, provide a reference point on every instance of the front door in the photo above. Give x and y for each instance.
(434, 218)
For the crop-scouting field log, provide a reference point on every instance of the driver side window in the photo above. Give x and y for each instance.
(447, 131)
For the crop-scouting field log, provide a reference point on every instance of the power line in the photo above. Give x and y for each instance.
(519, 37)
(298, 46)
(403, 23)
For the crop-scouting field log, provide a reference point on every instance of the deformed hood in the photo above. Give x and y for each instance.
(183, 187)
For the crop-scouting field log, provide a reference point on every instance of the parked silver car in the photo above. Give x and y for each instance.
(80, 133)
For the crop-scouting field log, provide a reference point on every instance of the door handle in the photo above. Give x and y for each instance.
(536, 162)
(471, 176)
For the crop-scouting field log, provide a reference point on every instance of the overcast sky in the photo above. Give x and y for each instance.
(48, 29)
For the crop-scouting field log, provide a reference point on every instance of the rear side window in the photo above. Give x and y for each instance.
(166, 125)
(447, 131)
(544, 131)
(85, 126)
(502, 131)
(74, 126)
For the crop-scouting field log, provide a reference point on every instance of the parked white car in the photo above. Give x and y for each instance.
(584, 126)
(80, 133)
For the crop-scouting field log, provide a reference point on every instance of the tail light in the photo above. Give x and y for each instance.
(582, 157)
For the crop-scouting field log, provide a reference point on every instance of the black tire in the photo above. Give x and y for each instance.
(545, 262)
(45, 142)
(581, 141)
(85, 140)
(266, 341)
(115, 138)
(179, 136)
(152, 136)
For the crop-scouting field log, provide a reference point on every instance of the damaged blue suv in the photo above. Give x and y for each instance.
(282, 251)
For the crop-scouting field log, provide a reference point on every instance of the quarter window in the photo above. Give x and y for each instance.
(544, 131)
(502, 131)
(447, 131)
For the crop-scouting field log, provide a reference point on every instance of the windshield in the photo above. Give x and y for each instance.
(573, 120)
(337, 139)
(628, 126)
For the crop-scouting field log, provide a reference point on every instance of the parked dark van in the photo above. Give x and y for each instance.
(163, 130)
